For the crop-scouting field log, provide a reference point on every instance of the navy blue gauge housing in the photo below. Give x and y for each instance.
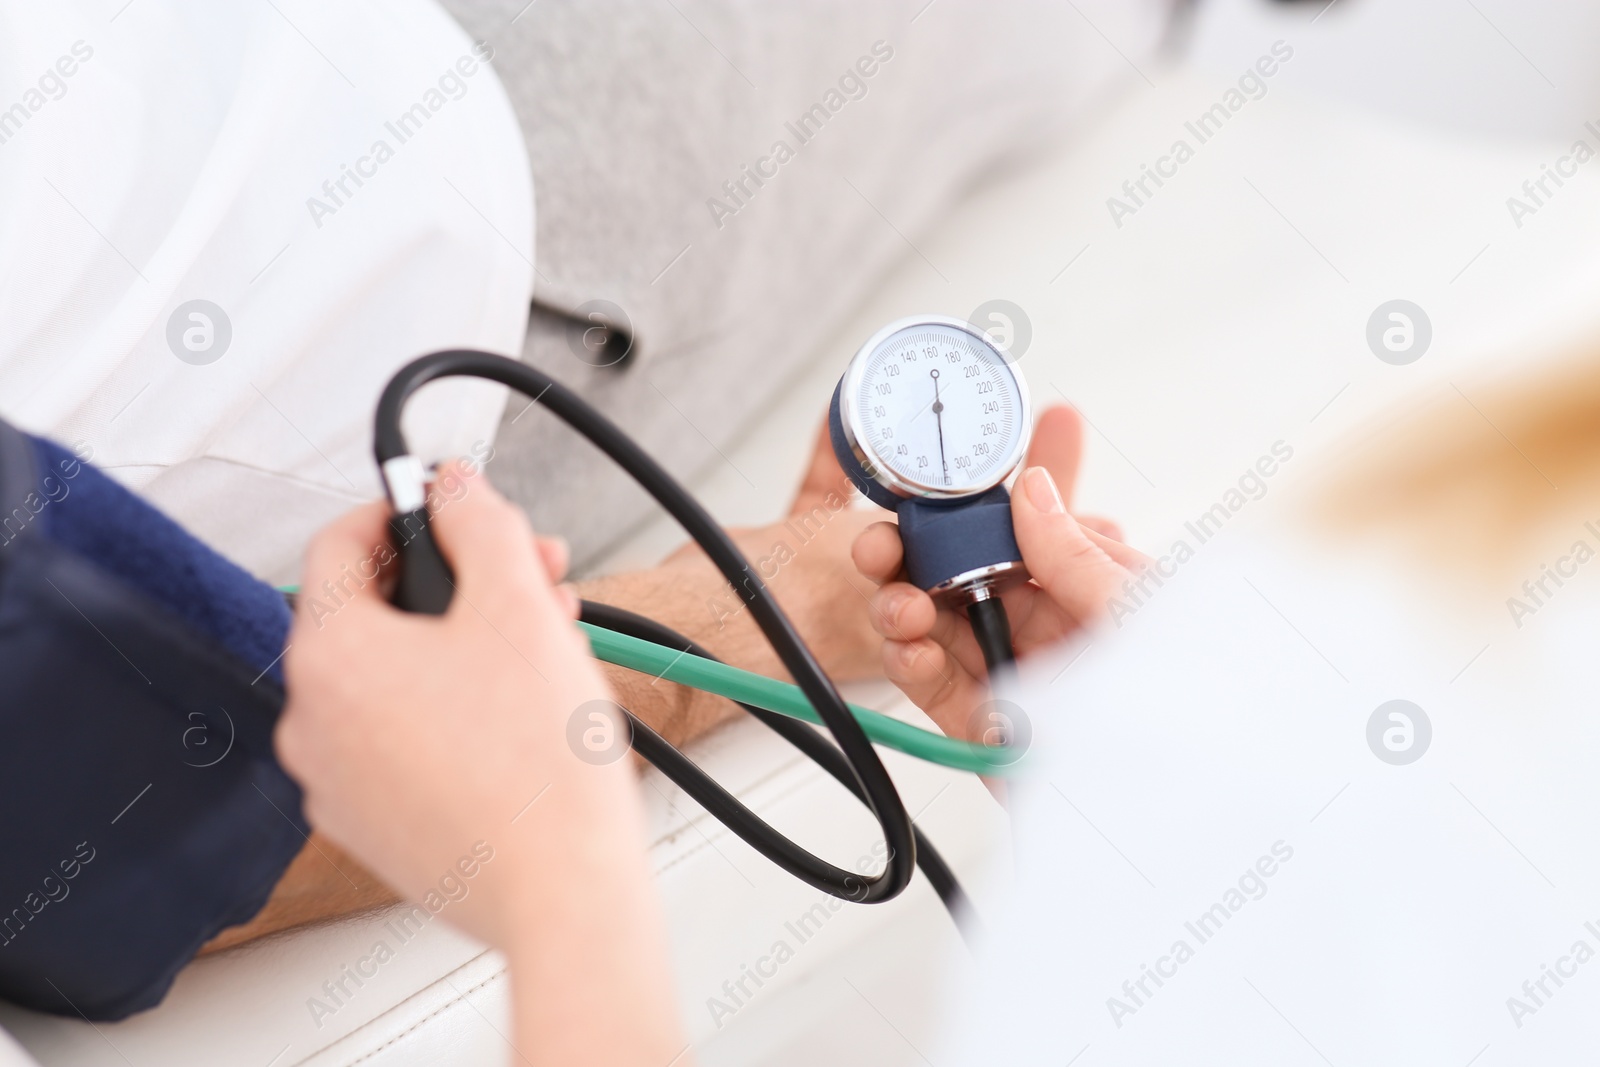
(929, 421)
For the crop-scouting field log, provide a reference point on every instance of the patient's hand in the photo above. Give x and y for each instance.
(1077, 565)
(804, 558)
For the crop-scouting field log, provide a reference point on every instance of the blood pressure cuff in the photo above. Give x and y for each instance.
(141, 808)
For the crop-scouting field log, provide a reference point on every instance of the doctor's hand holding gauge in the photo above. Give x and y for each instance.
(929, 421)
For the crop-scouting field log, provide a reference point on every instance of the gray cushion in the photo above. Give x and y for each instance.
(635, 116)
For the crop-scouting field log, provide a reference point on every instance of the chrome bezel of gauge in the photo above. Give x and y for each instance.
(880, 471)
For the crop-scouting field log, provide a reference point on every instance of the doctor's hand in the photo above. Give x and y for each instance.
(1077, 566)
(435, 750)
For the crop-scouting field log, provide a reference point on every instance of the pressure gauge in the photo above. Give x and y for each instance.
(934, 409)
(929, 420)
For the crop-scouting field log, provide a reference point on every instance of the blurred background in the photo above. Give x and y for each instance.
(1480, 69)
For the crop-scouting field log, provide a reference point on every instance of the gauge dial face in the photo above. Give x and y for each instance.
(939, 410)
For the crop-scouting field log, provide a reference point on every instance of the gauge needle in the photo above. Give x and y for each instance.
(938, 415)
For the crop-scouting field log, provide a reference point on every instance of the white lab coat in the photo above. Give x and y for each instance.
(1216, 865)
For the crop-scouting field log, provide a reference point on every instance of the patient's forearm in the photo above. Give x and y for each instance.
(695, 602)
(321, 883)
(808, 569)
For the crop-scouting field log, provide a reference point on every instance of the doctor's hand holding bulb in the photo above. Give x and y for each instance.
(435, 750)
(1077, 566)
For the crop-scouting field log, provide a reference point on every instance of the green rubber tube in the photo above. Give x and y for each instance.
(786, 699)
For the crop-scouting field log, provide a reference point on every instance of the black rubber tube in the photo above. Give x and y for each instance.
(877, 789)
(726, 808)
(992, 629)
